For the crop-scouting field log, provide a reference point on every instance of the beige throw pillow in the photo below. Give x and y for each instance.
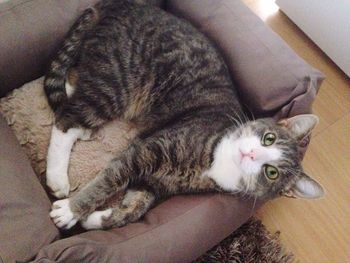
(28, 113)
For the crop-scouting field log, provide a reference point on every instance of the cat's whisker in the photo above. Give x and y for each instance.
(251, 114)
(248, 184)
(234, 121)
(240, 118)
(253, 208)
(244, 117)
(293, 172)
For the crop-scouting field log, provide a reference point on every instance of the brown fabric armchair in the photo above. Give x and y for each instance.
(272, 79)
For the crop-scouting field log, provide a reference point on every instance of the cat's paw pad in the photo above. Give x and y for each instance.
(62, 214)
(94, 220)
(59, 184)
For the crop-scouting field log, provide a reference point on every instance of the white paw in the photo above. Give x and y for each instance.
(58, 183)
(94, 220)
(85, 135)
(62, 215)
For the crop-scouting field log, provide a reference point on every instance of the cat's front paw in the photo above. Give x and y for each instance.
(62, 215)
(95, 220)
(58, 183)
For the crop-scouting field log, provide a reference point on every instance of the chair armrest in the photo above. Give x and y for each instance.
(31, 32)
(178, 230)
(271, 78)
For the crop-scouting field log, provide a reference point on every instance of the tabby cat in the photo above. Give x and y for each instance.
(135, 62)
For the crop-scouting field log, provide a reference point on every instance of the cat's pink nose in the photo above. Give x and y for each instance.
(251, 154)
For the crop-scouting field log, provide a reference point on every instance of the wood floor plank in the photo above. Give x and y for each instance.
(332, 104)
(316, 231)
(319, 231)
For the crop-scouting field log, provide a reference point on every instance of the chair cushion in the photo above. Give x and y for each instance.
(25, 225)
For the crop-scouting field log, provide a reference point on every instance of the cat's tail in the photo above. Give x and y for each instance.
(54, 83)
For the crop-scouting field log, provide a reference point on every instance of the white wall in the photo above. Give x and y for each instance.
(326, 22)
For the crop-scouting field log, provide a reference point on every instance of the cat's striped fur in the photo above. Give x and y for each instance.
(138, 63)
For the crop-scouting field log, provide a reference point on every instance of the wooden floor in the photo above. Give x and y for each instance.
(316, 231)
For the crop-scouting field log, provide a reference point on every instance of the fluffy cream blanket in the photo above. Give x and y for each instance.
(28, 113)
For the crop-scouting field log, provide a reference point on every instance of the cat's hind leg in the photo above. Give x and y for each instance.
(74, 120)
(60, 147)
(134, 205)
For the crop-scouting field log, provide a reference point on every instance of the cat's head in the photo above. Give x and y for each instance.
(266, 153)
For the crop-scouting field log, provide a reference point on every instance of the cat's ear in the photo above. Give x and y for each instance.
(300, 125)
(306, 188)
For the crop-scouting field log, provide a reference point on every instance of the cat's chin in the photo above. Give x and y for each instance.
(249, 167)
(244, 165)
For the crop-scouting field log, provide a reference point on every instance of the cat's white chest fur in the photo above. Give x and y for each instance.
(224, 171)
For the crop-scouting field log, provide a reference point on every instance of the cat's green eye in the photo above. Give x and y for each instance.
(268, 139)
(271, 172)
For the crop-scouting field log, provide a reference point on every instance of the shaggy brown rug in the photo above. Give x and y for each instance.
(251, 243)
